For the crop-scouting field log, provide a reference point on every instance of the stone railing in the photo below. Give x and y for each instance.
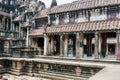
(35, 68)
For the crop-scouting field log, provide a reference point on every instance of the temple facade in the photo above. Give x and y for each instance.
(73, 41)
(80, 29)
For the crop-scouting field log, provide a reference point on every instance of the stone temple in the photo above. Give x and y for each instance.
(73, 41)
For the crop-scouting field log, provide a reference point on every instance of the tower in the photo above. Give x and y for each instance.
(54, 3)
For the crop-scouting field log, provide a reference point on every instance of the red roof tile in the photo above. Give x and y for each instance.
(27, 24)
(4, 14)
(42, 13)
(86, 26)
(18, 18)
(37, 32)
(82, 4)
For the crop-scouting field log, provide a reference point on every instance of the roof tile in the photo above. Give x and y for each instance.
(86, 26)
(82, 5)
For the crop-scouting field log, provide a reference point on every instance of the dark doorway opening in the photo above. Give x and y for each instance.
(1, 46)
(41, 45)
(111, 49)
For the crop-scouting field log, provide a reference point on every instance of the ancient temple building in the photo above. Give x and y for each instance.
(73, 41)
(81, 29)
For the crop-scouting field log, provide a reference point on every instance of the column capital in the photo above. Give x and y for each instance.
(60, 34)
(45, 35)
(118, 31)
(77, 33)
(96, 33)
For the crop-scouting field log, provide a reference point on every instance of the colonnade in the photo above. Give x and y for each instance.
(100, 44)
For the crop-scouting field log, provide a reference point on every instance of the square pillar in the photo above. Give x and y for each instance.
(13, 64)
(3, 22)
(100, 43)
(45, 45)
(7, 25)
(118, 45)
(27, 37)
(77, 45)
(96, 46)
(66, 45)
(52, 45)
(49, 46)
(81, 45)
(19, 29)
(61, 45)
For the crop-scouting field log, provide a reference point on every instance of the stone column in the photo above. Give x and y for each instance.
(100, 43)
(61, 45)
(36, 40)
(49, 46)
(77, 45)
(49, 21)
(107, 53)
(81, 45)
(13, 64)
(45, 44)
(3, 22)
(118, 45)
(27, 37)
(11, 24)
(96, 46)
(52, 46)
(66, 45)
(19, 29)
(7, 27)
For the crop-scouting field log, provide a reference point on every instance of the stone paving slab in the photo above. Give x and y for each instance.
(13, 77)
(108, 73)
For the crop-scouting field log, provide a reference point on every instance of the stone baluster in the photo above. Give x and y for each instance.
(30, 65)
(45, 67)
(78, 71)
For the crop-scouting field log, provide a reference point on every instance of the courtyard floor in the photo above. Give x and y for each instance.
(22, 77)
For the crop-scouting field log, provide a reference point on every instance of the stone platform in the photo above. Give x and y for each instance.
(110, 70)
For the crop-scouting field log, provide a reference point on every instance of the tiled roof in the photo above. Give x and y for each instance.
(4, 14)
(18, 18)
(42, 13)
(24, 4)
(27, 24)
(86, 26)
(37, 32)
(82, 4)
